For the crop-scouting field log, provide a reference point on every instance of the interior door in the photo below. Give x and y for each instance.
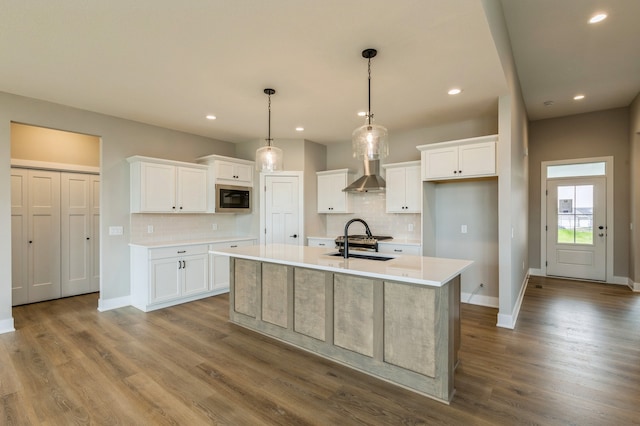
(577, 228)
(282, 210)
(77, 238)
(44, 235)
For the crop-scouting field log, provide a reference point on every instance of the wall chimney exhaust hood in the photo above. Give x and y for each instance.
(371, 181)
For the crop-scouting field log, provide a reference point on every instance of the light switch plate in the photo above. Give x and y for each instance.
(116, 230)
(463, 229)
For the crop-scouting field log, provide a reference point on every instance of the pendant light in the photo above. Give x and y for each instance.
(269, 158)
(370, 140)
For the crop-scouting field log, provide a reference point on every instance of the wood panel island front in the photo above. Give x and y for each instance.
(398, 320)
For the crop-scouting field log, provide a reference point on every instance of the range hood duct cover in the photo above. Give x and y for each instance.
(371, 181)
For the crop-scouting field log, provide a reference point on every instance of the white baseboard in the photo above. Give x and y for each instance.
(619, 280)
(633, 285)
(537, 272)
(109, 304)
(7, 326)
(509, 320)
(478, 299)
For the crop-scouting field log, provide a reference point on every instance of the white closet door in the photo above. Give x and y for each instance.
(95, 233)
(19, 237)
(80, 219)
(44, 235)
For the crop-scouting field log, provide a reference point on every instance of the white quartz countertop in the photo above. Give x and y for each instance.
(407, 241)
(432, 271)
(159, 244)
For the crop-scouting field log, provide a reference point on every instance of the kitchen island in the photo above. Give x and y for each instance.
(398, 320)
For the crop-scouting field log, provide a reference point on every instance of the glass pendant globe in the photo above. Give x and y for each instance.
(370, 141)
(269, 159)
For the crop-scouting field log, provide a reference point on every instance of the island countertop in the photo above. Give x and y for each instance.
(430, 271)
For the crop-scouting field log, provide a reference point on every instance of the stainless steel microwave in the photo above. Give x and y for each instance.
(233, 199)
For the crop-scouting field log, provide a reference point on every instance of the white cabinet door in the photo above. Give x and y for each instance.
(191, 190)
(459, 159)
(195, 274)
(164, 280)
(157, 188)
(477, 159)
(413, 190)
(403, 194)
(396, 192)
(440, 163)
(233, 173)
(331, 198)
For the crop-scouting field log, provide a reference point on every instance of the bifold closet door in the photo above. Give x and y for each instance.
(79, 232)
(35, 222)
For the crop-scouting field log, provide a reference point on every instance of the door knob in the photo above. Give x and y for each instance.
(294, 236)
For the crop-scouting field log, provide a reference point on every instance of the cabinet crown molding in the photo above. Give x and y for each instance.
(458, 142)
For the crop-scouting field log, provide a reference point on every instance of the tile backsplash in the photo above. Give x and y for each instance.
(372, 208)
(180, 227)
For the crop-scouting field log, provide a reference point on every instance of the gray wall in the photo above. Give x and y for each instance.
(119, 140)
(634, 140)
(596, 134)
(513, 175)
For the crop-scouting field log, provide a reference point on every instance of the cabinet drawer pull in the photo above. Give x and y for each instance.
(322, 244)
(233, 246)
(181, 251)
(398, 250)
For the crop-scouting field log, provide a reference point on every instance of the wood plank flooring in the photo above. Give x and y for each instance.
(573, 359)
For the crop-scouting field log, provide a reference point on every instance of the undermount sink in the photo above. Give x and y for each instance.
(364, 256)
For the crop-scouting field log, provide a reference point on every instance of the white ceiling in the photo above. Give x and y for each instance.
(170, 63)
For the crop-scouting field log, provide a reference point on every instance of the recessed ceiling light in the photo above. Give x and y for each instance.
(211, 117)
(578, 97)
(598, 18)
(454, 91)
(299, 129)
(362, 114)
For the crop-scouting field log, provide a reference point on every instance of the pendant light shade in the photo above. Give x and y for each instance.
(269, 158)
(370, 141)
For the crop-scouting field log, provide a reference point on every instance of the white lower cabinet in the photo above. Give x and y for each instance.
(321, 242)
(400, 248)
(166, 276)
(219, 264)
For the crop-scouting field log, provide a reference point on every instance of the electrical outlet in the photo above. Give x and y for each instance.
(214, 226)
(410, 227)
(463, 229)
(149, 229)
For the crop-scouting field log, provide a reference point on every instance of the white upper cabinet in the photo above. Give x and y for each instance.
(331, 198)
(465, 158)
(404, 186)
(229, 171)
(165, 186)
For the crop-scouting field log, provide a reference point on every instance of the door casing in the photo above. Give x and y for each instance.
(610, 222)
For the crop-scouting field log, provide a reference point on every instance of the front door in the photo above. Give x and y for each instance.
(282, 210)
(576, 228)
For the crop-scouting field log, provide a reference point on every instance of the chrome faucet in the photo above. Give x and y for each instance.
(346, 234)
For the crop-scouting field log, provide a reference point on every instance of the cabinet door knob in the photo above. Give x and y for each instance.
(455, 172)
(460, 171)
(174, 207)
(294, 236)
(30, 242)
(88, 238)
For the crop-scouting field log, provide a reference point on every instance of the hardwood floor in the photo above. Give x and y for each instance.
(574, 358)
